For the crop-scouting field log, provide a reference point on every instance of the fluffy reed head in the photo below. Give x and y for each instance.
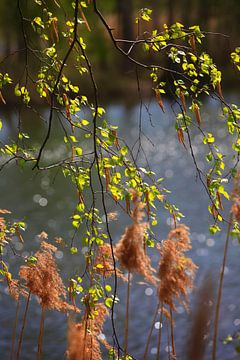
(15, 289)
(130, 248)
(83, 338)
(42, 279)
(176, 271)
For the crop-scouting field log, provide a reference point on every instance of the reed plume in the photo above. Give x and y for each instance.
(176, 271)
(15, 289)
(130, 249)
(42, 279)
(83, 337)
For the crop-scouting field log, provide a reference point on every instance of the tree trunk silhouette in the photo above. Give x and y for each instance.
(171, 7)
(125, 13)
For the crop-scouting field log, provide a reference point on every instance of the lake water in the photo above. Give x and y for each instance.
(46, 200)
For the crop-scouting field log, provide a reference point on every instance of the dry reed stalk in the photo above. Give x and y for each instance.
(174, 355)
(85, 335)
(23, 327)
(160, 334)
(15, 291)
(14, 330)
(219, 293)
(40, 337)
(168, 342)
(150, 333)
(127, 317)
(234, 215)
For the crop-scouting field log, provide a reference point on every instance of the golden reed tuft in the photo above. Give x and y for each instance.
(130, 248)
(176, 271)
(43, 279)
(83, 338)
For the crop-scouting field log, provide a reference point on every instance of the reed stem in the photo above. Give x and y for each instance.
(220, 287)
(85, 332)
(40, 337)
(23, 327)
(172, 336)
(159, 334)
(127, 318)
(15, 330)
(150, 333)
(168, 340)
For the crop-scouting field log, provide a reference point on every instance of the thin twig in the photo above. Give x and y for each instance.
(52, 103)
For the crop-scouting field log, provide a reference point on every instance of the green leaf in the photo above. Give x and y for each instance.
(75, 224)
(108, 288)
(37, 20)
(100, 111)
(73, 250)
(84, 122)
(109, 302)
(124, 150)
(209, 139)
(17, 92)
(73, 139)
(99, 266)
(78, 151)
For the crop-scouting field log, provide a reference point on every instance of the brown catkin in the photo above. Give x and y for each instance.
(236, 198)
